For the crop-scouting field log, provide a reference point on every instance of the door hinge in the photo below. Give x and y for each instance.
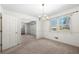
(0, 44)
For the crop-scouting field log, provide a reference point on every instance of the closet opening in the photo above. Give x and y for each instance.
(28, 31)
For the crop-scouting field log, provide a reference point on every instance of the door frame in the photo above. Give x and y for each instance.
(1, 32)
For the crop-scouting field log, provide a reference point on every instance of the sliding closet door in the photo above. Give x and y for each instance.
(13, 31)
(9, 31)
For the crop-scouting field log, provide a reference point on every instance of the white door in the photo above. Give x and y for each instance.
(9, 31)
(12, 31)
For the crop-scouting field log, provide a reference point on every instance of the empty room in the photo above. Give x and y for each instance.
(39, 28)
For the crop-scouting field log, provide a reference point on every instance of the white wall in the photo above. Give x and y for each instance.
(39, 28)
(72, 37)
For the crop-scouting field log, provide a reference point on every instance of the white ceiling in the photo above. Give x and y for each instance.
(36, 9)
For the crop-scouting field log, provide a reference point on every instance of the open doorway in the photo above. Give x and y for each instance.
(28, 31)
(31, 28)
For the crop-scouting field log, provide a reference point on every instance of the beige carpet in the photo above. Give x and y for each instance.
(30, 45)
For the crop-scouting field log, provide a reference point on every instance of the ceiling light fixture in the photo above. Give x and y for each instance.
(43, 15)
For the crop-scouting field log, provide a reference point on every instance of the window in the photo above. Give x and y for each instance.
(60, 24)
(53, 23)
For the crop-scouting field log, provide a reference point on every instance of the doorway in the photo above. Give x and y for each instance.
(28, 31)
(22, 28)
(28, 28)
(31, 28)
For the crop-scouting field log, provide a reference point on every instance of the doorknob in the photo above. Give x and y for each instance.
(16, 32)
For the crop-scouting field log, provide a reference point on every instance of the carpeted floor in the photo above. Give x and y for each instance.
(30, 45)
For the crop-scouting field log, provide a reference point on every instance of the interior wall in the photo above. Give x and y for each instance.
(39, 28)
(71, 37)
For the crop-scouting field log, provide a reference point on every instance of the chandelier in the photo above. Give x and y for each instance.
(43, 15)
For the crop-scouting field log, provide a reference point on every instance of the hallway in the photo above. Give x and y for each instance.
(30, 45)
